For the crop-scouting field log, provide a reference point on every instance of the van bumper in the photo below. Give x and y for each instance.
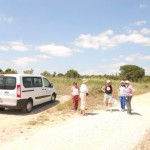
(20, 104)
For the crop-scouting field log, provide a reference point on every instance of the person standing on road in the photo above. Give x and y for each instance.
(75, 96)
(108, 90)
(83, 95)
(121, 93)
(129, 94)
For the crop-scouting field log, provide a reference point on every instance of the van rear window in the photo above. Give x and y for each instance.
(7, 83)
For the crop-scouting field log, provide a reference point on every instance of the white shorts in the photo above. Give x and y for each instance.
(107, 98)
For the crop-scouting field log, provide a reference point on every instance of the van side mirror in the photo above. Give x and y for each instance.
(51, 85)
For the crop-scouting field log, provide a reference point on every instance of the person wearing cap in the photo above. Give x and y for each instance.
(129, 94)
(108, 90)
(83, 96)
(121, 93)
(75, 96)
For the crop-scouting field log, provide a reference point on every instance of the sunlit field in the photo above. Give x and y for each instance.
(95, 98)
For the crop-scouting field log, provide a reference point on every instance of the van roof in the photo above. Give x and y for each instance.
(21, 75)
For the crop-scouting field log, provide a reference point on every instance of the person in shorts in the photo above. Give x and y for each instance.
(108, 90)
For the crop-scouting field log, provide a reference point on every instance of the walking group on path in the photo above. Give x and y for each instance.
(125, 93)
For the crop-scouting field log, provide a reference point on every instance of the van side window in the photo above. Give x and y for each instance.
(37, 81)
(47, 83)
(27, 82)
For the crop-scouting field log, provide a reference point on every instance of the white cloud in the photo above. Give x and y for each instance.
(142, 6)
(101, 41)
(15, 46)
(7, 19)
(145, 31)
(55, 50)
(4, 48)
(131, 58)
(24, 61)
(140, 23)
(18, 46)
(108, 39)
(42, 57)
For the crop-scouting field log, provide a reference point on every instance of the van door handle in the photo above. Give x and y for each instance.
(43, 89)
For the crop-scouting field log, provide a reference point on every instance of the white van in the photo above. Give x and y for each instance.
(23, 91)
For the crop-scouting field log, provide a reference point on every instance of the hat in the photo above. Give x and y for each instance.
(126, 81)
(122, 81)
(108, 81)
(84, 80)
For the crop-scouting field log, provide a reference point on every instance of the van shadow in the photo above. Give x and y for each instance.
(36, 109)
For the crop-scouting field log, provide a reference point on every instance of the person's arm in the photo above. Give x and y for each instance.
(103, 88)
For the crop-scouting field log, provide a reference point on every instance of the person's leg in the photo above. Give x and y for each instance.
(110, 102)
(121, 102)
(129, 107)
(83, 99)
(106, 101)
(128, 102)
(76, 102)
(110, 106)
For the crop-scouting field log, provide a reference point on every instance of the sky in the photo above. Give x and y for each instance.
(93, 37)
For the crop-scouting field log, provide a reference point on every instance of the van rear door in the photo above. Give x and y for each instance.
(8, 91)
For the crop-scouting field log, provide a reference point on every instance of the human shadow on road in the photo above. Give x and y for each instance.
(91, 114)
(36, 109)
(115, 110)
(135, 113)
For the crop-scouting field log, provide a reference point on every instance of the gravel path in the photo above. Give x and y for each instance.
(98, 130)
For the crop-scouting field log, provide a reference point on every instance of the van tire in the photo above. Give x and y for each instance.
(2, 109)
(53, 98)
(28, 106)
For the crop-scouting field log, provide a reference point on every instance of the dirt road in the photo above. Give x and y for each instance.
(98, 130)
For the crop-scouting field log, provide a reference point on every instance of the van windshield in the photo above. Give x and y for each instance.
(7, 83)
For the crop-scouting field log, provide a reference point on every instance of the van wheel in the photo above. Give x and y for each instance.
(28, 107)
(53, 98)
(2, 109)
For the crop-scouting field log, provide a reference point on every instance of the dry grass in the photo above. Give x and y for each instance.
(95, 98)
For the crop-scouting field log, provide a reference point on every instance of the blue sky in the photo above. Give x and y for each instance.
(90, 36)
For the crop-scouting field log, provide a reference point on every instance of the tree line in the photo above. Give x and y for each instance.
(127, 72)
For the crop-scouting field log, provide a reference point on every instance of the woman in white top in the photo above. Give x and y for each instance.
(75, 96)
(83, 95)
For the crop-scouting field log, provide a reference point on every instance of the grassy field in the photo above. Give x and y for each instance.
(95, 99)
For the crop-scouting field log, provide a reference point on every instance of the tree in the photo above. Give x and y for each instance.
(60, 75)
(10, 71)
(72, 74)
(46, 74)
(132, 72)
(54, 74)
(1, 71)
(28, 71)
